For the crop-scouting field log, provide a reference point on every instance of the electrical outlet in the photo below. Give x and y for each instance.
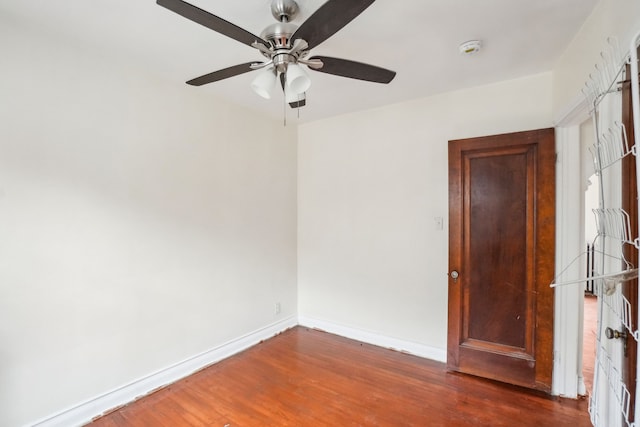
(277, 308)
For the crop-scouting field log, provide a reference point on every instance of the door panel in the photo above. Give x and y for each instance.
(501, 242)
(500, 189)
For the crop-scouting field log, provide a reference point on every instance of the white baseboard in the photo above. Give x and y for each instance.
(84, 412)
(416, 349)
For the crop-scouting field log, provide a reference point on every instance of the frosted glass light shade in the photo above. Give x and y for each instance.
(290, 96)
(297, 79)
(264, 83)
(295, 100)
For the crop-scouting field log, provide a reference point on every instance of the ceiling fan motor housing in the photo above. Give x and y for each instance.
(279, 34)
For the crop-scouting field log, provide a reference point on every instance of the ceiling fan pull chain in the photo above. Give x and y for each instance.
(284, 110)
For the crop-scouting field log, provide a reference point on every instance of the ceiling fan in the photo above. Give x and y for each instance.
(286, 46)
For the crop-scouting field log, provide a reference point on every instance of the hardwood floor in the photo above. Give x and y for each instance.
(306, 377)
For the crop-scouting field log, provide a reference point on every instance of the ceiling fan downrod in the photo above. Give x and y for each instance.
(284, 10)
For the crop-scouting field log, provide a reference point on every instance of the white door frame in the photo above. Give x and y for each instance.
(569, 300)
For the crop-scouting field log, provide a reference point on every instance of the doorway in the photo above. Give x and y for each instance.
(501, 257)
(590, 311)
(612, 388)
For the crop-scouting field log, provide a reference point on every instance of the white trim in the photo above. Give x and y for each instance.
(410, 347)
(84, 412)
(567, 348)
(574, 113)
(568, 316)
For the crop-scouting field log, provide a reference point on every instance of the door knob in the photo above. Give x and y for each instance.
(454, 275)
(613, 334)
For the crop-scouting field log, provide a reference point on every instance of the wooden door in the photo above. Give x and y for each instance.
(502, 247)
(630, 205)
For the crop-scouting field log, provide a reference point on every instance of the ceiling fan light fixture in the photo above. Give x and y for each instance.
(264, 83)
(297, 79)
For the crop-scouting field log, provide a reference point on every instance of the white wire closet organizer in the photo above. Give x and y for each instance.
(614, 232)
(615, 224)
(613, 147)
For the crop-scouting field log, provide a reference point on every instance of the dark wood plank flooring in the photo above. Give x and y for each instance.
(306, 377)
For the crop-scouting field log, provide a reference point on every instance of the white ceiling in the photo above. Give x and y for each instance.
(416, 38)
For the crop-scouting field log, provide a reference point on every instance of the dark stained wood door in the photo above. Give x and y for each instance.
(630, 205)
(502, 247)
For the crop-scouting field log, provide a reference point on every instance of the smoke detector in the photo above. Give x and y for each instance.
(470, 47)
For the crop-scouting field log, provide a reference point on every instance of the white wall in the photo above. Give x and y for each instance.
(370, 184)
(619, 19)
(141, 223)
